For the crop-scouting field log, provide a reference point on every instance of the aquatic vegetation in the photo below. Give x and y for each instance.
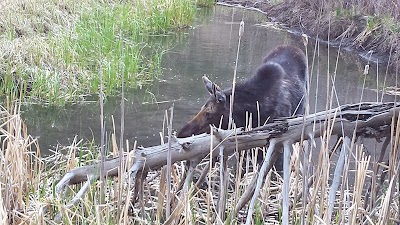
(54, 50)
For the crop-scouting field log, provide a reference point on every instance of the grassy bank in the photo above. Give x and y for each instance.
(366, 26)
(55, 50)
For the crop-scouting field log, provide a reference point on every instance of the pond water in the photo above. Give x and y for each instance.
(209, 47)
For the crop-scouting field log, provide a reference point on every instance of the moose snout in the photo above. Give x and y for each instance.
(193, 128)
(187, 130)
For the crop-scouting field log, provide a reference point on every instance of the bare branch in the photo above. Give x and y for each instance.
(260, 180)
(287, 148)
(337, 176)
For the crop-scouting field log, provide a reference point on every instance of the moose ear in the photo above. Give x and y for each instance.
(214, 90)
(209, 85)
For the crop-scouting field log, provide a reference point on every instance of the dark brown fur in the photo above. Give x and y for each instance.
(278, 86)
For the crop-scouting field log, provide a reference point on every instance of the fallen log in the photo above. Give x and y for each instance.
(366, 119)
(370, 120)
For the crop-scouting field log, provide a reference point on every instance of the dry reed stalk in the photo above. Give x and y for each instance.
(169, 165)
(241, 31)
(223, 183)
(102, 139)
(209, 193)
(287, 148)
(121, 153)
(160, 196)
(361, 172)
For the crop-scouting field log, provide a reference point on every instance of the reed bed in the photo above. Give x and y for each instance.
(365, 194)
(27, 191)
(20, 165)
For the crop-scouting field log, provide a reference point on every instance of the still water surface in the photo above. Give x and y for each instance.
(209, 47)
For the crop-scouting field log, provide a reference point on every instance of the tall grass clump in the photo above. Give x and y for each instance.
(27, 181)
(54, 50)
(20, 168)
(114, 40)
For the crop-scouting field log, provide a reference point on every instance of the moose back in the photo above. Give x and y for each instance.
(277, 89)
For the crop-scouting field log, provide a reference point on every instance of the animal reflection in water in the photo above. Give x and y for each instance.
(277, 89)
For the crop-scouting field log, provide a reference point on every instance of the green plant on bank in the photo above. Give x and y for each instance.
(372, 22)
(56, 49)
(205, 3)
(391, 23)
(341, 12)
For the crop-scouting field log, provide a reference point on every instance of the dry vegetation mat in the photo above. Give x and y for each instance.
(321, 184)
(342, 185)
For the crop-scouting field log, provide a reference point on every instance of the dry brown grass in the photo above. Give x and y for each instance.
(19, 166)
(27, 187)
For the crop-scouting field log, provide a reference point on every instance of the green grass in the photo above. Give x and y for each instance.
(62, 47)
(205, 3)
(106, 42)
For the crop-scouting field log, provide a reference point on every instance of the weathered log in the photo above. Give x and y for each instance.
(372, 120)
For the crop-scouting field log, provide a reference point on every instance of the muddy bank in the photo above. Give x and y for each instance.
(370, 29)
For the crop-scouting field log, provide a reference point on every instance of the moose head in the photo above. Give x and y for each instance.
(215, 111)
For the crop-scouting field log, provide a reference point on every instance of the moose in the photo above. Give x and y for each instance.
(276, 90)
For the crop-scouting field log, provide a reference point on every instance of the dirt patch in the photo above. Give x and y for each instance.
(370, 30)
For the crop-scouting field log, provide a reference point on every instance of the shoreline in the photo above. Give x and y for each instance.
(345, 33)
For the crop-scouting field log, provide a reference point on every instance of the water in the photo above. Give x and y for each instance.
(208, 48)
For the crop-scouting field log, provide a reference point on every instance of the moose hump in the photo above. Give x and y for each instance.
(277, 89)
